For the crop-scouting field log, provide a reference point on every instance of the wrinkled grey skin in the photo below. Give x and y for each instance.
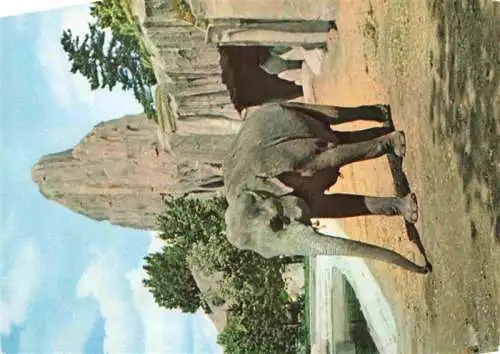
(278, 167)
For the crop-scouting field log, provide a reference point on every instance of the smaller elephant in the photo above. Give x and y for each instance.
(280, 164)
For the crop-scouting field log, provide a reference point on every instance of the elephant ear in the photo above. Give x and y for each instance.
(271, 185)
(296, 208)
(236, 218)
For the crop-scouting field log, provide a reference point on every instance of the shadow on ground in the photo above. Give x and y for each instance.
(465, 97)
(402, 188)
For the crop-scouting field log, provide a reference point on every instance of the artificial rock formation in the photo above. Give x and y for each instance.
(200, 78)
(208, 284)
(186, 68)
(119, 173)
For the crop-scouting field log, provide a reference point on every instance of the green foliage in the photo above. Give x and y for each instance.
(306, 329)
(114, 15)
(262, 318)
(260, 329)
(184, 11)
(122, 58)
(183, 223)
(187, 220)
(170, 280)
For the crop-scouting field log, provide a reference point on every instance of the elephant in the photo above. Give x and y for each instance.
(278, 167)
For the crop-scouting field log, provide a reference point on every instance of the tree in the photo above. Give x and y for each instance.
(114, 15)
(262, 317)
(258, 329)
(188, 220)
(183, 222)
(107, 61)
(170, 281)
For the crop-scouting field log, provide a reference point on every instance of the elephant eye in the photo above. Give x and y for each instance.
(276, 223)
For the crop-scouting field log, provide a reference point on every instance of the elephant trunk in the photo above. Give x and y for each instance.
(316, 244)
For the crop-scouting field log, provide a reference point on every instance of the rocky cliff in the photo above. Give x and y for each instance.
(119, 172)
(208, 285)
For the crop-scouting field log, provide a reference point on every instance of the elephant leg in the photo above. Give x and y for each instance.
(338, 115)
(316, 184)
(348, 205)
(351, 137)
(341, 155)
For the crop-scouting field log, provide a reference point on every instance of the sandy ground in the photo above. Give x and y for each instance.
(438, 65)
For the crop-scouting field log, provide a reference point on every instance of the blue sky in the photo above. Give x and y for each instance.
(68, 283)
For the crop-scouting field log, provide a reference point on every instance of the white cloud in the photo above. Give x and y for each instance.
(103, 280)
(19, 285)
(162, 333)
(8, 231)
(133, 321)
(163, 329)
(156, 244)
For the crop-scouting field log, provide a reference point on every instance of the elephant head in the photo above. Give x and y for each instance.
(274, 225)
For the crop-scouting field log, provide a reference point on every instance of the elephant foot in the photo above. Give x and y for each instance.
(409, 208)
(398, 141)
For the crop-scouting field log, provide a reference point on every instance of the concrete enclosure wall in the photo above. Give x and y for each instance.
(325, 10)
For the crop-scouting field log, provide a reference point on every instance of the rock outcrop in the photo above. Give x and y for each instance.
(208, 284)
(120, 174)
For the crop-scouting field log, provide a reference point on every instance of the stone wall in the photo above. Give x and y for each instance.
(194, 74)
(260, 9)
(186, 67)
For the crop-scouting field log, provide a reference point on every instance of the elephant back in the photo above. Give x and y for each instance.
(272, 122)
(272, 140)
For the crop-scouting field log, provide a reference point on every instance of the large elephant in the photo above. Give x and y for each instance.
(278, 167)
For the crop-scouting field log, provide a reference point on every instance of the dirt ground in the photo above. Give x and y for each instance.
(437, 63)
